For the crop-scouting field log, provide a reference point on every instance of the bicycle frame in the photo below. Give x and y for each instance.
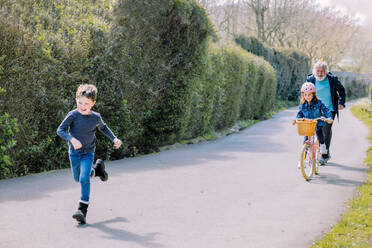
(310, 156)
(314, 143)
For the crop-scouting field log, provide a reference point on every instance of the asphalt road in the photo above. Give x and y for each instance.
(242, 191)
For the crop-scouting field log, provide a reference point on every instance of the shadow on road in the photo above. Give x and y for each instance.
(36, 186)
(348, 168)
(146, 240)
(329, 178)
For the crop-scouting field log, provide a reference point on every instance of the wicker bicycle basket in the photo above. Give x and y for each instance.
(306, 127)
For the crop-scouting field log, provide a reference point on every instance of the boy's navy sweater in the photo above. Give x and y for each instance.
(83, 128)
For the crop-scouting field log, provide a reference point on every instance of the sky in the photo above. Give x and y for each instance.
(362, 9)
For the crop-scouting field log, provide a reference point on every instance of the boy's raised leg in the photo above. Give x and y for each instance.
(99, 169)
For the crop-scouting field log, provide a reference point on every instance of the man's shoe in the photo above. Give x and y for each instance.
(328, 157)
(322, 161)
(99, 169)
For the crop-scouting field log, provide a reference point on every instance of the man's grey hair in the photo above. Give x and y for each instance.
(321, 64)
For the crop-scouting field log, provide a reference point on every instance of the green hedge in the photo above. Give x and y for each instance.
(8, 129)
(160, 80)
(236, 85)
(356, 88)
(142, 56)
(356, 85)
(246, 85)
(31, 96)
(49, 49)
(160, 46)
(291, 66)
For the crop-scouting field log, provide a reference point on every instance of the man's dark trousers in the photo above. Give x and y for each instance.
(327, 134)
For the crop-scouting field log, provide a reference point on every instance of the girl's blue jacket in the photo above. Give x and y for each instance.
(314, 110)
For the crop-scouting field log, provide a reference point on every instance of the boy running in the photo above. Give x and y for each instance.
(79, 129)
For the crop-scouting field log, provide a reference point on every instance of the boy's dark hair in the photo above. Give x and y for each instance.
(87, 90)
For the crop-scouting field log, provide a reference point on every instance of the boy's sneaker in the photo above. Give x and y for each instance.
(323, 149)
(81, 214)
(99, 169)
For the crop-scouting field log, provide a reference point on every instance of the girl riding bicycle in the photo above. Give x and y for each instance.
(311, 107)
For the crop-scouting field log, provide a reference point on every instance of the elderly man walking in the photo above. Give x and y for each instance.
(332, 93)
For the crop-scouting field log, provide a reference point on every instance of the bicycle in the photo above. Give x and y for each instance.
(310, 152)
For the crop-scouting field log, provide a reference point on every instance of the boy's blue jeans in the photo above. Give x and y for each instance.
(81, 165)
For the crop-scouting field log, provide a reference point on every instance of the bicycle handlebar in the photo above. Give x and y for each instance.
(315, 119)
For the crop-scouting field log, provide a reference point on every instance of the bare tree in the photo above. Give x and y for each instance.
(359, 59)
(321, 33)
(272, 17)
(259, 8)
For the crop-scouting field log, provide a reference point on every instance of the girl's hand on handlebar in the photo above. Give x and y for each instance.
(297, 119)
(329, 121)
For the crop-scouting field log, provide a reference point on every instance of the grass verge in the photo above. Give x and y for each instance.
(355, 227)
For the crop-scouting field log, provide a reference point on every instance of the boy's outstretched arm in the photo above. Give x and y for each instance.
(103, 128)
(117, 143)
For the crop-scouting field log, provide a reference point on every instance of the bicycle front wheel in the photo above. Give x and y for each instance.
(307, 162)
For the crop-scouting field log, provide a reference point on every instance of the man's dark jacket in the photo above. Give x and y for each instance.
(337, 90)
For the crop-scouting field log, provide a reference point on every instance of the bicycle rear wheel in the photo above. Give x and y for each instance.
(307, 162)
